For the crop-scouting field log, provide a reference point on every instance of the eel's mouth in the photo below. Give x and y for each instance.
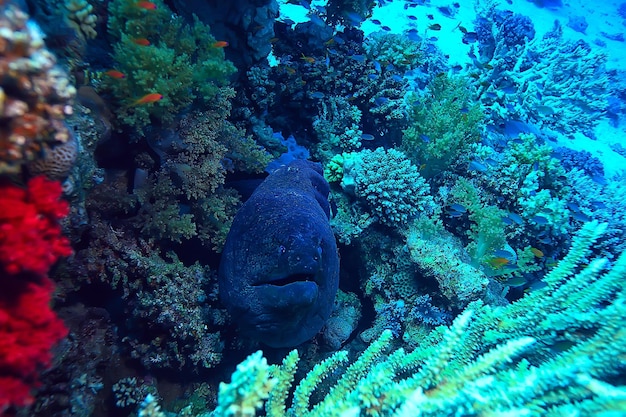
(289, 279)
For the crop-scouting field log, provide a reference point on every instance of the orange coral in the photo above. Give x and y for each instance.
(35, 95)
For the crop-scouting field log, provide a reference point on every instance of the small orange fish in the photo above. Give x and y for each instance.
(148, 98)
(220, 44)
(148, 5)
(142, 41)
(498, 262)
(537, 252)
(115, 74)
(308, 59)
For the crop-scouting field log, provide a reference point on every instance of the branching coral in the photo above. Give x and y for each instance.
(552, 82)
(186, 197)
(35, 94)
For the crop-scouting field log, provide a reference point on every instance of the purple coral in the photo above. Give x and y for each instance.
(583, 160)
(424, 312)
(515, 29)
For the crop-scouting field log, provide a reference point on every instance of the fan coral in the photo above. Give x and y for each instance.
(34, 93)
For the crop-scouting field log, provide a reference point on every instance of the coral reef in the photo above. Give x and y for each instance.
(477, 363)
(80, 16)
(35, 94)
(443, 123)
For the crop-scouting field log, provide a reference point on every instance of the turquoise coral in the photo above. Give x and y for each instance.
(388, 183)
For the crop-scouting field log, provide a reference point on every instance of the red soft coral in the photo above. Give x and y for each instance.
(30, 243)
(28, 329)
(30, 237)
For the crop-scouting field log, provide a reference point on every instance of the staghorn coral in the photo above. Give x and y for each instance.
(552, 82)
(35, 94)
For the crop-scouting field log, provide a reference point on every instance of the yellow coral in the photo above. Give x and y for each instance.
(80, 17)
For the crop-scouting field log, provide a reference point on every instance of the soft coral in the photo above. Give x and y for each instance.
(30, 243)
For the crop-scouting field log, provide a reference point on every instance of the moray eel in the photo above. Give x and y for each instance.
(279, 270)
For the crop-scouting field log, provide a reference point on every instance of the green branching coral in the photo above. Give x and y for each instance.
(443, 124)
(181, 62)
(501, 360)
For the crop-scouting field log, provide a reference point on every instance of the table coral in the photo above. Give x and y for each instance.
(35, 94)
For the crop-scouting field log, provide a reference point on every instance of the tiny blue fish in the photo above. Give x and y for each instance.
(477, 166)
(358, 58)
(516, 218)
(377, 66)
(367, 136)
(397, 78)
(503, 254)
(424, 138)
(581, 217)
(492, 162)
(386, 28)
(316, 20)
(507, 221)
(381, 100)
(458, 207)
(375, 21)
(317, 95)
(539, 220)
(598, 204)
(574, 207)
(599, 179)
(372, 76)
